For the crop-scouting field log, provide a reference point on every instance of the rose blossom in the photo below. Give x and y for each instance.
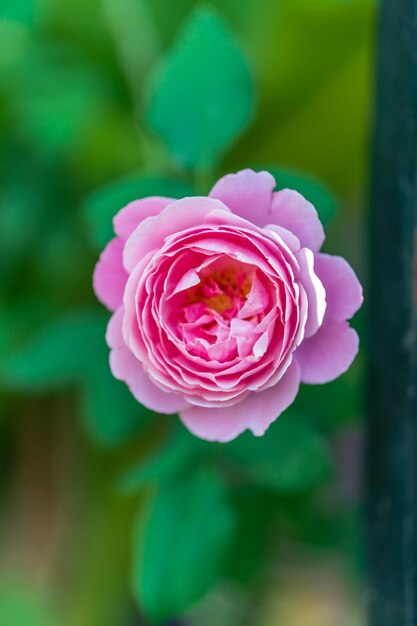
(224, 304)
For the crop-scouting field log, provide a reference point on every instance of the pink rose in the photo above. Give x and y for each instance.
(223, 305)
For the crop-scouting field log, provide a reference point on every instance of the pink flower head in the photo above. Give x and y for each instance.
(224, 304)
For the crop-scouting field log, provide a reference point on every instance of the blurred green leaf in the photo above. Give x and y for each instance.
(291, 457)
(20, 606)
(316, 192)
(201, 97)
(335, 405)
(17, 10)
(168, 22)
(57, 355)
(53, 98)
(180, 549)
(330, 525)
(111, 415)
(101, 206)
(171, 458)
(21, 213)
(125, 19)
(15, 39)
(72, 350)
(19, 320)
(256, 513)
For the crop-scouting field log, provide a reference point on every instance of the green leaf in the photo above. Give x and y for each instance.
(22, 210)
(101, 206)
(54, 99)
(180, 549)
(110, 414)
(72, 350)
(315, 191)
(330, 526)
(21, 606)
(291, 457)
(18, 10)
(56, 356)
(176, 454)
(201, 97)
(336, 405)
(256, 514)
(125, 19)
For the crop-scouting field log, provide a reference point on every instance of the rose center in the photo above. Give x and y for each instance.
(223, 291)
(220, 316)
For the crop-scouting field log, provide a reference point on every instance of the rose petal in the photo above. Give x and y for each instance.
(114, 334)
(316, 294)
(343, 290)
(176, 217)
(256, 412)
(247, 193)
(109, 278)
(126, 367)
(292, 211)
(257, 299)
(285, 235)
(329, 353)
(128, 218)
(187, 280)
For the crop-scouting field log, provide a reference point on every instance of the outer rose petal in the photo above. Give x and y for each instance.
(292, 211)
(316, 294)
(109, 278)
(329, 353)
(248, 194)
(257, 411)
(343, 290)
(126, 367)
(177, 216)
(288, 237)
(114, 334)
(128, 218)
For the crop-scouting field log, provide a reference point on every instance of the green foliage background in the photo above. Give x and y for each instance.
(110, 514)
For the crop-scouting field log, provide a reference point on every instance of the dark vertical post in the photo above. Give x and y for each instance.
(392, 434)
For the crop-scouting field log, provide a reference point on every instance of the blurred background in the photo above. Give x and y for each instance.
(269, 531)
